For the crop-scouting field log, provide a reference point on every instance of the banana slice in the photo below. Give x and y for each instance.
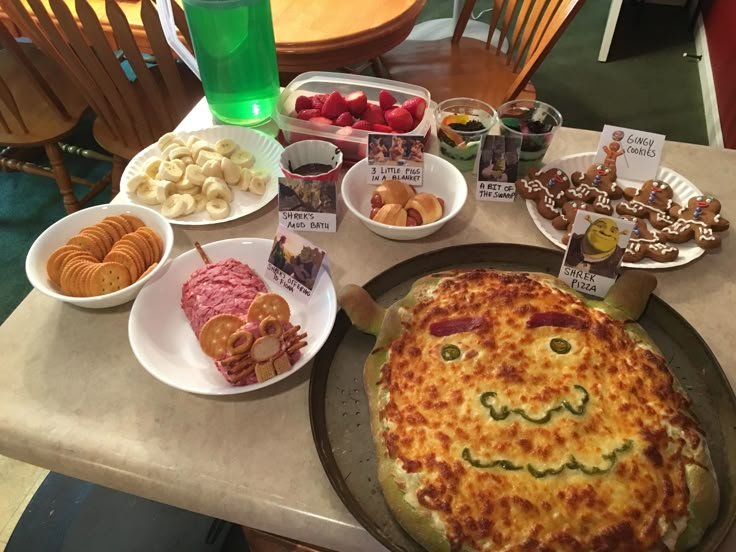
(185, 186)
(178, 152)
(200, 146)
(195, 175)
(243, 159)
(137, 181)
(230, 172)
(168, 139)
(151, 168)
(203, 156)
(225, 147)
(166, 153)
(212, 168)
(210, 181)
(146, 193)
(217, 209)
(187, 159)
(245, 177)
(193, 139)
(164, 188)
(258, 182)
(219, 190)
(174, 206)
(190, 205)
(169, 170)
(200, 202)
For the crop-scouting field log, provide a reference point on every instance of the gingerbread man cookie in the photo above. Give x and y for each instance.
(565, 220)
(546, 189)
(646, 243)
(612, 151)
(653, 202)
(699, 219)
(596, 186)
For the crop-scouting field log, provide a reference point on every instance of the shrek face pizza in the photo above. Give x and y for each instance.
(509, 414)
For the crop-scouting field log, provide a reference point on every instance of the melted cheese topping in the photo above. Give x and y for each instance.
(607, 473)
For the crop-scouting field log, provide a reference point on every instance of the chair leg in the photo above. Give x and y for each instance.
(61, 174)
(118, 166)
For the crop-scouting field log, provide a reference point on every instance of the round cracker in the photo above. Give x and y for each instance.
(121, 221)
(134, 221)
(55, 260)
(269, 304)
(114, 230)
(70, 283)
(119, 229)
(124, 258)
(88, 243)
(150, 232)
(112, 236)
(157, 251)
(215, 333)
(103, 239)
(109, 278)
(133, 252)
(148, 271)
(142, 245)
(85, 277)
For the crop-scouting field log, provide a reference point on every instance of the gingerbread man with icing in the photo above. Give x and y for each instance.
(546, 189)
(596, 186)
(653, 202)
(649, 244)
(565, 220)
(613, 152)
(699, 219)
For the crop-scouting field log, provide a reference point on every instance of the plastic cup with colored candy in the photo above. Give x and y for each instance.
(311, 160)
(534, 122)
(461, 124)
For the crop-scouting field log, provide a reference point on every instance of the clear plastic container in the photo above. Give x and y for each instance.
(352, 142)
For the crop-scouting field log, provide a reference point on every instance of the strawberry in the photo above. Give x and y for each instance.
(416, 107)
(307, 114)
(344, 120)
(361, 125)
(357, 101)
(302, 103)
(318, 100)
(321, 120)
(373, 114)
(334, 105)
(381, 128)
(385, 99)
(400, 119)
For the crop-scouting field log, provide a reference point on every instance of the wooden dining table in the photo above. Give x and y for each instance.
(310, 34)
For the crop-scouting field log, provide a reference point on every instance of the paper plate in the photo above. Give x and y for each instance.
(164, 343)
(682, 188)
(265, 149)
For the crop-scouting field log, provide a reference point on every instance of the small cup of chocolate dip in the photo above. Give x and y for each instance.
(312, 160)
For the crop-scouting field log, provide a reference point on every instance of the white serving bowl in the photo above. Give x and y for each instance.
(440, 178)
(57, 235)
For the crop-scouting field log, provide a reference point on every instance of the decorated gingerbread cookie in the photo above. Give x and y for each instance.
(699, 220)
(649, 244)
(652, 202)
(564, 220)
(546, 189)
(597, 186)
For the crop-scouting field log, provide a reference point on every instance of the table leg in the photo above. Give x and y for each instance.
(613, 14)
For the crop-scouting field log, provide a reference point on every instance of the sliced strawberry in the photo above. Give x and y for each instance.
(385, 99)
(334, 105)
(307, 114)
(344, 120)
(318, 100)
(321, 120)
(400, 119)
(361, 125)
(373, 114)
(357, 101)
(302, 103)
(381, 128)
(416, 123)
(415, 106)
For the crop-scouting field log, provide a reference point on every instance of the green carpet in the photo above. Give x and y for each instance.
(645, 85)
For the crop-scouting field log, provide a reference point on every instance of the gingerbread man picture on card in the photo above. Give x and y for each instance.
(652, 202)
(699, 220)
(596, 186)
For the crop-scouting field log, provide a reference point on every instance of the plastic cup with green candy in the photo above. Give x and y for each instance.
(534, 122)
(461, 123)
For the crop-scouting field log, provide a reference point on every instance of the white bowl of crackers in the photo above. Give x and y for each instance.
(101, 256)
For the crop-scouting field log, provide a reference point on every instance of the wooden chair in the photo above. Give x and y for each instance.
(131, 114)
(525, 31)
(38, 107)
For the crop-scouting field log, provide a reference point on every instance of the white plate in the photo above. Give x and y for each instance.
(682, 188)
(164, 343)
(266, 150)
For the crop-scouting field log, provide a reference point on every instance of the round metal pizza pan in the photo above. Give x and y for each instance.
(340, 418)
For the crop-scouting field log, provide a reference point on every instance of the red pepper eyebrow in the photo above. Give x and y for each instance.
(557, 320)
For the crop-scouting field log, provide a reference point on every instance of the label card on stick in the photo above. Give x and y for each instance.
(498, 164)
(294, 264)
(594, 251)
(308, 205)
(634, 154)
(396, 157)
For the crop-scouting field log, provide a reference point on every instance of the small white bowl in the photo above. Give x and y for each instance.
(440, 178)
(57, 235)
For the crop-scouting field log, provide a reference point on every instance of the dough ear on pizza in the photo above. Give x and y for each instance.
(364, 312)
(628, 296)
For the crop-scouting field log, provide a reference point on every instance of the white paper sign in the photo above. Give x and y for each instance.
(294, 264)
(498, 164)
(308, 205)
(634, 154)
(594, 251)
(396, 157)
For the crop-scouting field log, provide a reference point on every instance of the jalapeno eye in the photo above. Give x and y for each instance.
(560, 346)
(450, 352)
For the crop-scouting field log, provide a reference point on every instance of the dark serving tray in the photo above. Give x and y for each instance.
(339, 412)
